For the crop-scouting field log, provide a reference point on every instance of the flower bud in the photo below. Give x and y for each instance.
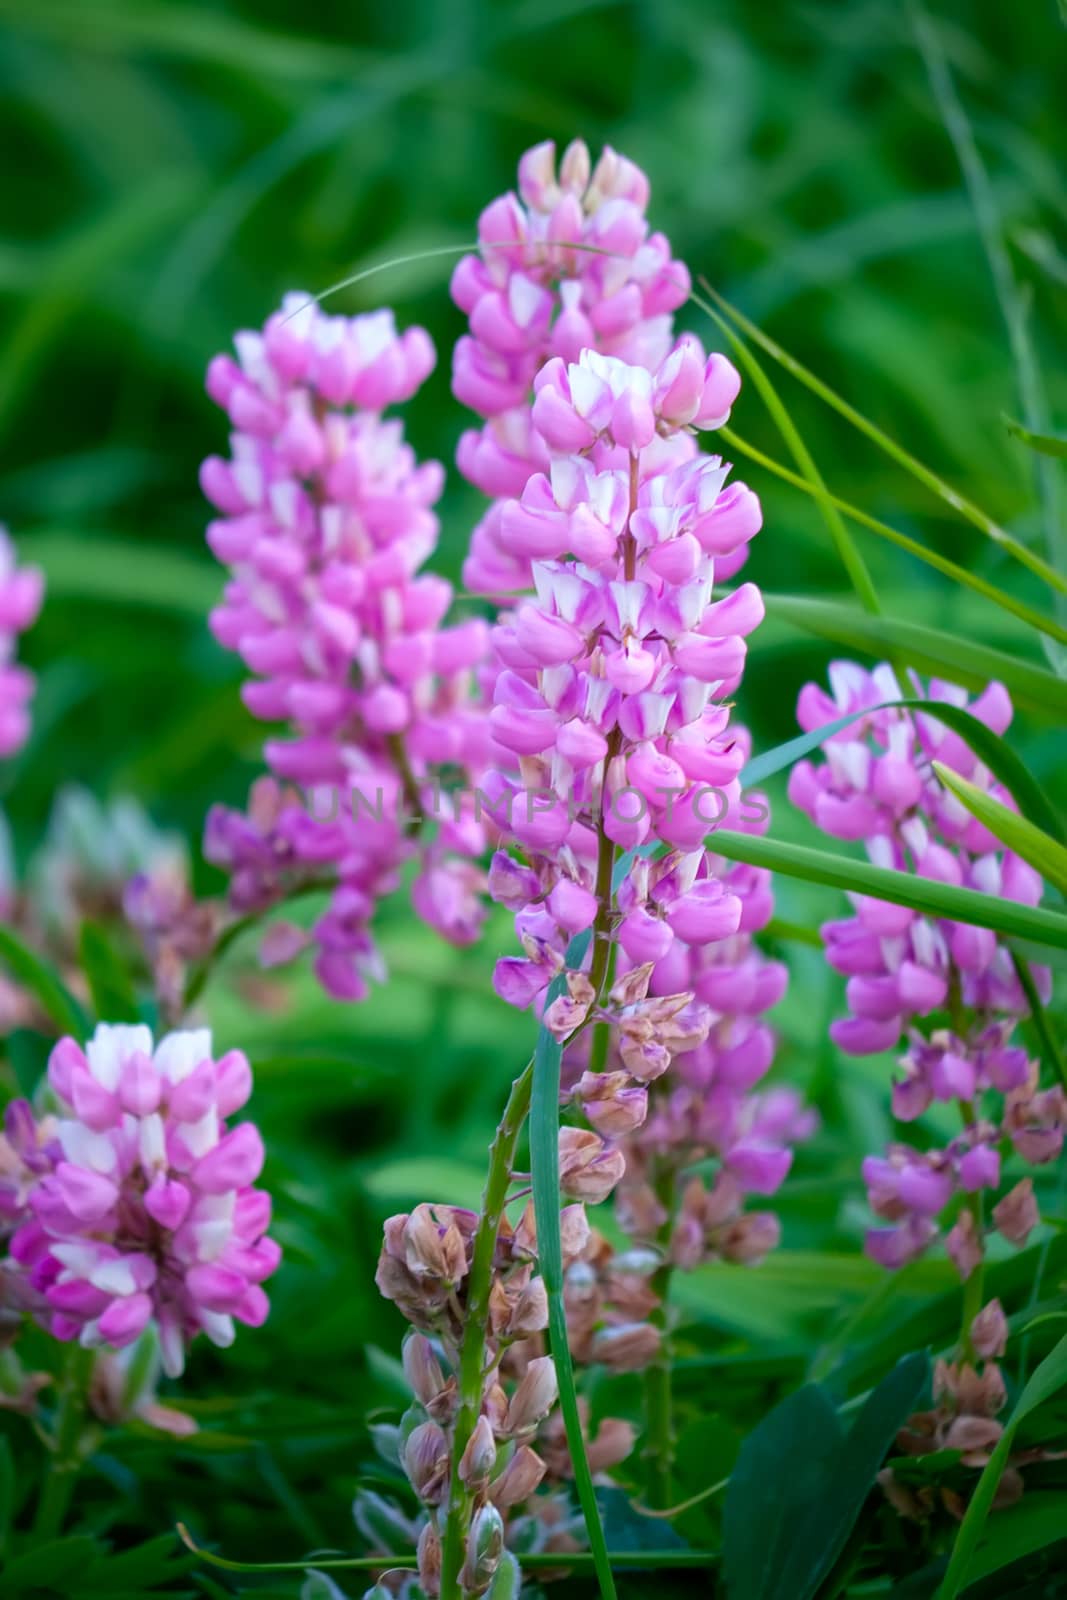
(534, 1398)
(485, 1546)
(989, 1331)
(428, 1552)
(519, 1478)
(421, 1368)
(425, 1454)
(479, 1457)
(588, 1169)
(1017, 1213)
(627, 1348)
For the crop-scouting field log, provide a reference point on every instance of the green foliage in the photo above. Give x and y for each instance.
(180, 164)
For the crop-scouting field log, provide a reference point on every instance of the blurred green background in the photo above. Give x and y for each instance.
(170, 170)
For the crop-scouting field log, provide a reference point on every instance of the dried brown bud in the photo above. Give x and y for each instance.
(1017, 1213)
(629, 1347)
(519, 1478)
(428, 1551)
(425, 1457)
(588, 1169)
(421, 1368)
(533, 1399)
(479, 1457)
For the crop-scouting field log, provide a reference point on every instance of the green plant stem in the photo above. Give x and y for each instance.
(65, 1459)
(473, 1348)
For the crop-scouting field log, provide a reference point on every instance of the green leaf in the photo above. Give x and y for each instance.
(798, 1487)
(49, 1566)
(544, 1159)
(7, 1494)
(44, 984)
(990, 748)
(1044, 1382)
(944, 492)
(964, 661)
(109, 982)
(1044, 853)
(1046, 444)
(1005, 917)
(1039, 1519)
(123, 573)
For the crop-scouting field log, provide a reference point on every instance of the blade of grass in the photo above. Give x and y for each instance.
(1039, 1017)
(843, 542)
(1005, 917)
(988, 746)
(54, 998)
(1044, 853)
(958, 574)
(1012, 304)
(544, 1162)
(1044, 1382)
(951, 497)
(1046, 444)
(964, 661)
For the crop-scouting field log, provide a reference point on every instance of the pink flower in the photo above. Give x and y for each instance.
(21, 589)
(327, 522)
(147, 1210)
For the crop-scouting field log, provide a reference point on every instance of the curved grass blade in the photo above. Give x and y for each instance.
(1039, 1017)
(1010, 298)
(951, 497)
(844, 544)
(580, 1560)
(961, 575)
(1046, 444)
(54, 998)
(989, 747)
(1044, 853)
(1044, 1381)
(1005, 917)
(544, 1162)
(928, 649)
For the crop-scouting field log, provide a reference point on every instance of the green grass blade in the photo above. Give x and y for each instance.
(1013, 306)
(1005, 917)
(99, 567)
(1044, 1382)
(1039, 1018)
(544, 1161)
(944, 491)
(961, 575)
(109, 982)
(1046, 444)
(54, 998)
(1044, 854)
(988, 746)
(844, 544)
(964, 661)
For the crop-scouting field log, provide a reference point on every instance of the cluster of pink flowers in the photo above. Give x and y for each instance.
(136, 1204)
(948, 991)
(327, 521)
(21, 589)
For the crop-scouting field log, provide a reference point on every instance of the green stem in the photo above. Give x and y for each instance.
(973, 1286)
(198, 978)
(473, 1349)
(65, 1460)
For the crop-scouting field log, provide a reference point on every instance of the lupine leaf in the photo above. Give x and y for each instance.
(963, 661)
(1045, 854)
(799, 1486)
(1044, 1381)
(44, 984)
(989, 747)
(1005, 917)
